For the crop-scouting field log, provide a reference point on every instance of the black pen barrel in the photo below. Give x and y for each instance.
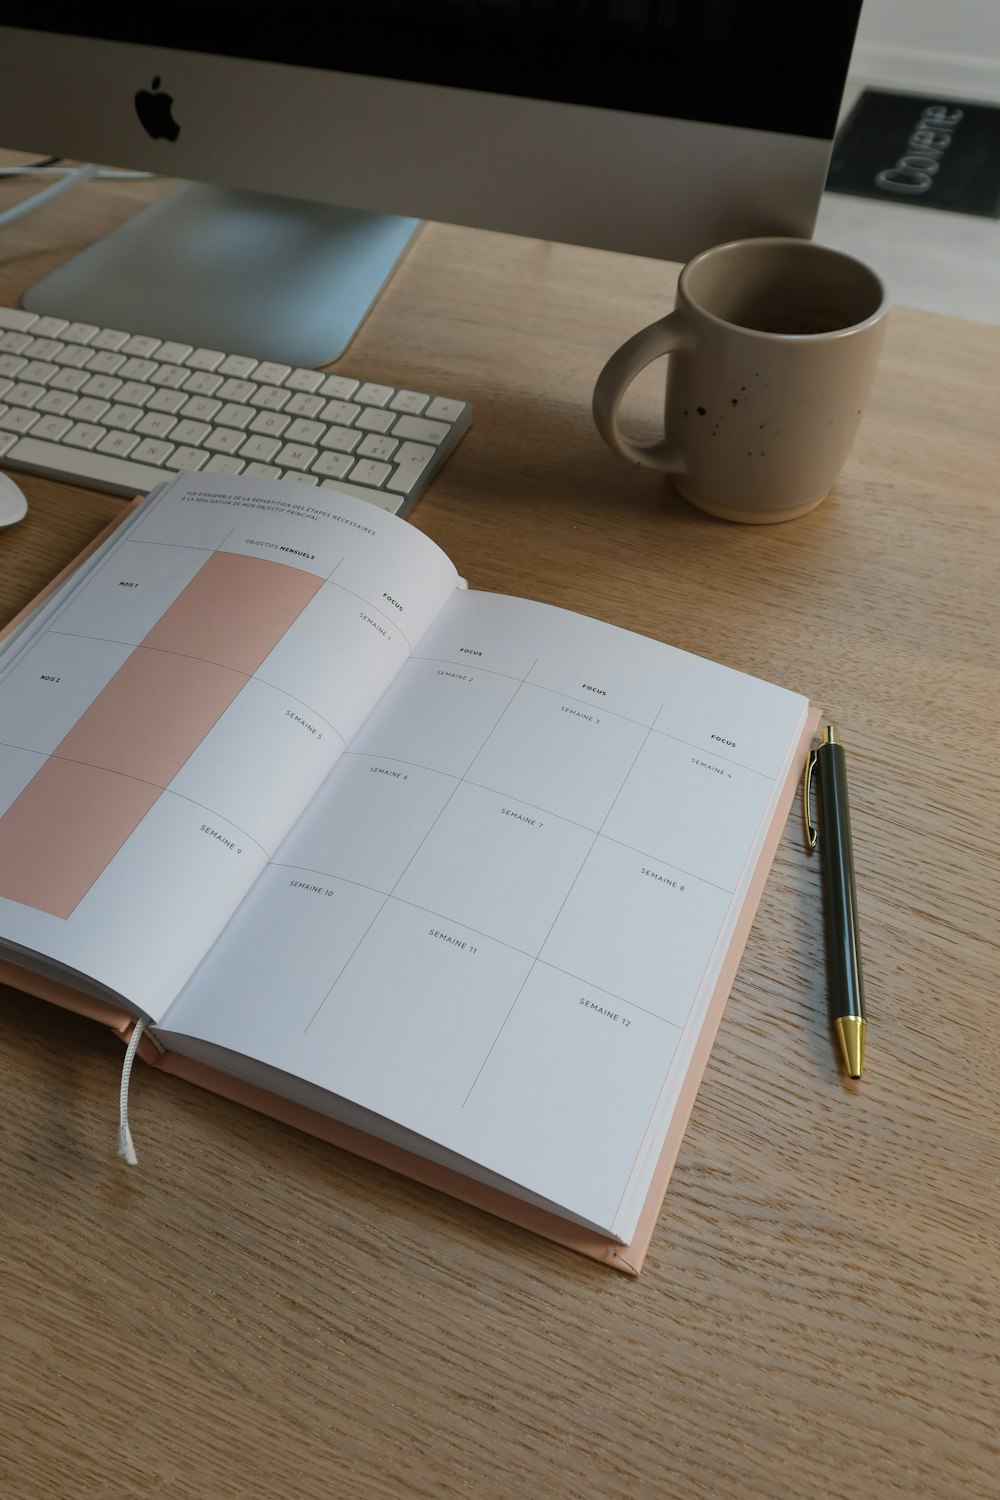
(840, 900)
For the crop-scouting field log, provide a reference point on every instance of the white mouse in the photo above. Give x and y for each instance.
(13, 506)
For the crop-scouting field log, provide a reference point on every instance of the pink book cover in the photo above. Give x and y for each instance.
(626, 1258)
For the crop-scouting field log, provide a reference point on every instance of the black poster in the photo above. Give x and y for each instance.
(920, 149)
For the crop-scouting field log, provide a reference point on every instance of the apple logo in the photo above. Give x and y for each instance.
(154, 111)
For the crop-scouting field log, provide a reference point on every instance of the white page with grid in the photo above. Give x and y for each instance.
(497, 923)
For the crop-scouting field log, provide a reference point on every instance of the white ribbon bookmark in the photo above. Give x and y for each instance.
(125, 1145)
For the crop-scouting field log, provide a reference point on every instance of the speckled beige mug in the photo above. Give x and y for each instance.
(773, 344)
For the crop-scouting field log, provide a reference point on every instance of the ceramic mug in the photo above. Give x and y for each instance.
(773, 344)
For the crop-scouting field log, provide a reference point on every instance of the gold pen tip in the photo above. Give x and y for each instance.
(851, 1032)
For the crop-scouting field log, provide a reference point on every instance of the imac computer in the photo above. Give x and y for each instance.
(314, 137)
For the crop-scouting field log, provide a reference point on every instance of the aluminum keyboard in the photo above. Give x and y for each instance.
(121, 412)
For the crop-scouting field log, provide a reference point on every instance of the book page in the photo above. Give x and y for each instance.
(500, 920)
(166, 715)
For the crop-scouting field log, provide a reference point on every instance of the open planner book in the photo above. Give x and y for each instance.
(464, 874)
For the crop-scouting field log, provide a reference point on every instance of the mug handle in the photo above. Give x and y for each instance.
(669, 335)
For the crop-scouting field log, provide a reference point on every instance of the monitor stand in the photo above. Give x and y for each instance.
(274, 278)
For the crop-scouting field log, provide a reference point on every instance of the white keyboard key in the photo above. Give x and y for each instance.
(101, 385)
(414, 453)
(186, 457)
(264, 471)
(16, 317)
(269, 396)
(299, 476)
(141, 345)
(202, 383)
(79, 333)
(152, 451)
(39, 371)
(122, 476)
(373, 395)
(222, 463)
(366, 471)
(339, 387)
(84, 435)
(420, 430)
(88, 409)
(372, 419)
(14, 343)
(49, 328)
(305, 432)
(201, 408)
(136, 393)
(170, 377)
(343, 439)
(109, 338)
(103, 361)
(12, 364)
(68, 380)
(77, 356)
(137, 369)
(412, 402)
(374, 446)
(224, 440)
(18, 418)
(156, 424)
(122, 417)
(56, 402)
(118, 443)
(270, 373)
(191, 432)
(333, 465)
(297, 456)
(269, 423)
(43, 348)
(173, 353)
(7, 440)
(341, 412)
(260, 448)
(205, 359)
(304, 380)
(5, 385)
(165, 400)
(52, 428)
(240, 365)
(303, 405)
(235, 415)
(236, 390)
(411, 461)
(24, 394)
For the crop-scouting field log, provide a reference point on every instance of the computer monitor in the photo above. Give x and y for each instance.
(655, 127)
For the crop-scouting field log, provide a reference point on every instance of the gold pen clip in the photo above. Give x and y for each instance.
(807, 822)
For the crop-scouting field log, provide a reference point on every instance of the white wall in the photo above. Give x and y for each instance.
(951, 46)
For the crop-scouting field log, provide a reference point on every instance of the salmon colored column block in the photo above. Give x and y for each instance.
(78, 810)
(234, 611)
(63, 829)
(152, 715)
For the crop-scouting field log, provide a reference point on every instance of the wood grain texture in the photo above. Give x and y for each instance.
(251, 1313)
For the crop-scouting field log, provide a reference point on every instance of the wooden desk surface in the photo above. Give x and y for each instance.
(251, 1313)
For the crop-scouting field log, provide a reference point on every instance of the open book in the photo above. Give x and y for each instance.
(461, 872)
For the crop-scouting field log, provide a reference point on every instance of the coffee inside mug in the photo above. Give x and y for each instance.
(792, 289)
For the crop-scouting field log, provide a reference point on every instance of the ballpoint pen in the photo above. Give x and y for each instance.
(840, 901)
